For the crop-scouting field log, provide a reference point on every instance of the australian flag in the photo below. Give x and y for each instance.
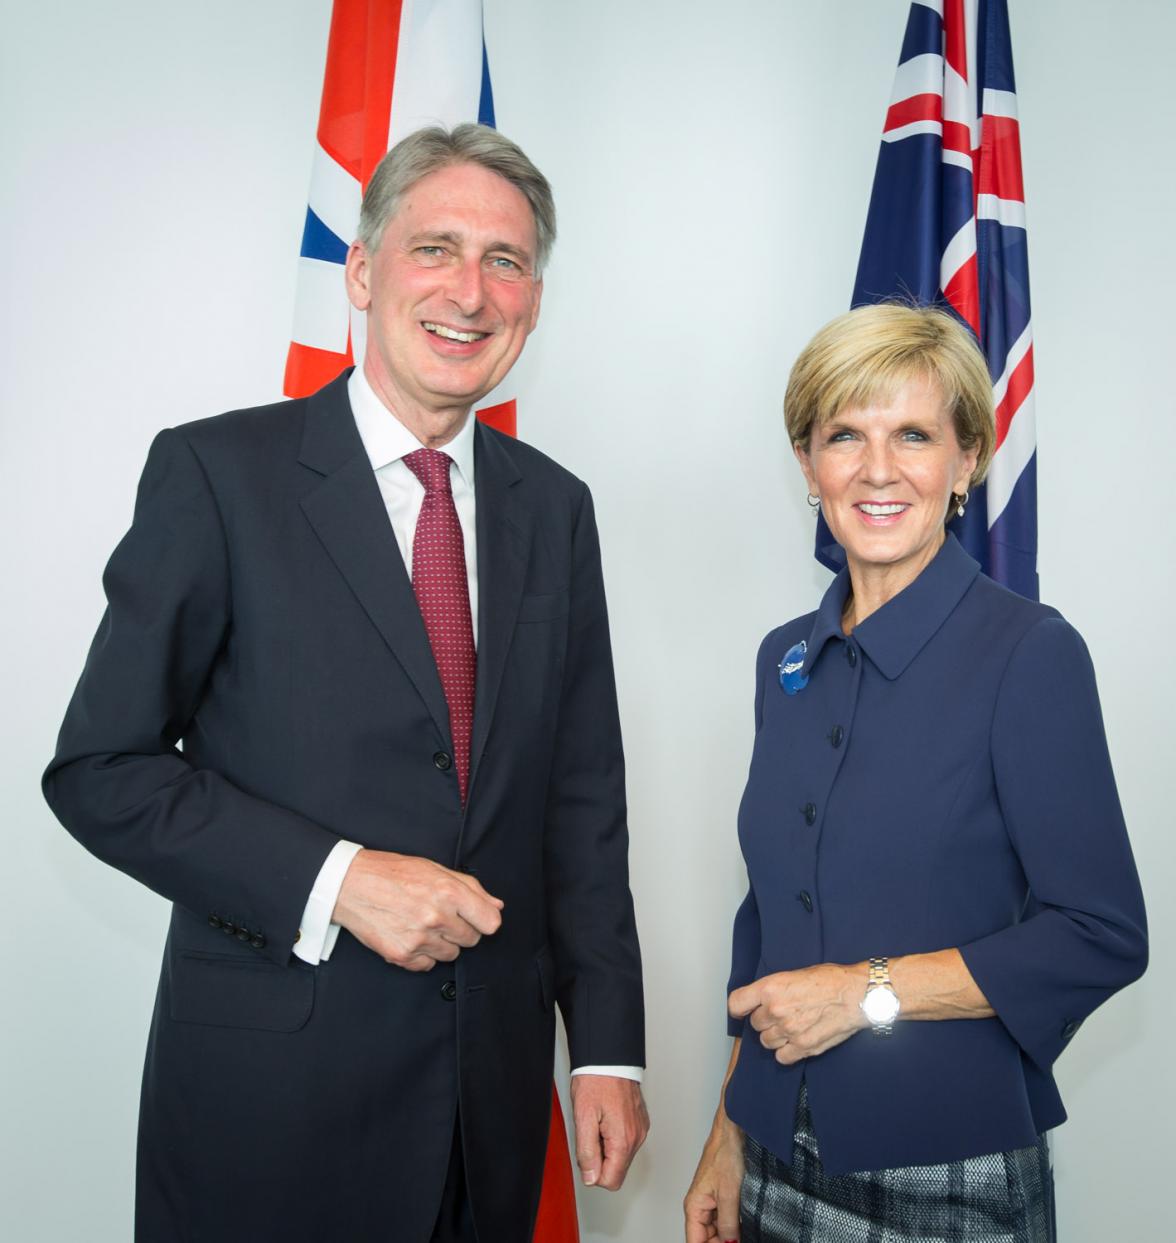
(947, 225)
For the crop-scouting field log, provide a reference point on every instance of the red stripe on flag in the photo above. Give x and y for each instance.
(357, 83)
(308, 369)
(1000, 158)
(914, 108)
(957, 137)
(556, 1221)
(503, 417)
(955, 37)
(1020, 382)
(963, 292)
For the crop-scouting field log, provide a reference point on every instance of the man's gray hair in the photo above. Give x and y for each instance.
(428, 151)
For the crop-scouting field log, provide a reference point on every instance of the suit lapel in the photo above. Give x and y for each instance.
(347, 513)
(504, 543)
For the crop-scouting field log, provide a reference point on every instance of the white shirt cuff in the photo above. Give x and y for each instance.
(316, 934)
(636, 1073)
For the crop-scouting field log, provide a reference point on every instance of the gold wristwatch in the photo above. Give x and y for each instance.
(880, 1004)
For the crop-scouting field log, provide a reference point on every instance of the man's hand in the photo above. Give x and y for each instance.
(611, 1124)
(413, 912)
(803, 1013)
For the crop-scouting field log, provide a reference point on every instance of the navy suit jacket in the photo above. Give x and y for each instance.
(942, 780)
(260, 610)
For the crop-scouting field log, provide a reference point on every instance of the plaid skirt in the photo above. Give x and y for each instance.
(1004, 1197)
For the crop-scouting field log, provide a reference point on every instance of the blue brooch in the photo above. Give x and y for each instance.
(791, 678)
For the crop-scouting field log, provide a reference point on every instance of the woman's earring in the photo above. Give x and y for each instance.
(814, 503)
(961, 502)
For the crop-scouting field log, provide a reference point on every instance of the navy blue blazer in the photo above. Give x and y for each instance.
(943, 780)
(260, 611)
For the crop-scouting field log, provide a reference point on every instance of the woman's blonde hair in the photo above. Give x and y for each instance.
(866, 355)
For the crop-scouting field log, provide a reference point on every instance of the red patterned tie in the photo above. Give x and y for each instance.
(443, 592)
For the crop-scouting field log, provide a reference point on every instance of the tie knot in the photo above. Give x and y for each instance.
(431, 467)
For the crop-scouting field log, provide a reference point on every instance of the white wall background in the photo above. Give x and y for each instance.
(712, 166)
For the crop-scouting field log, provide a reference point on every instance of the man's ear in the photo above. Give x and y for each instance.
(357, 275)
(535, 308)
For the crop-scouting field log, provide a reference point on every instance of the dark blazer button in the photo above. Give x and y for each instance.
(243, 934)
(851, 654)
(258, 942)
(1071, 1026)
(810, 813)
(806, 900)
(449, 990)
(443, 760)
(228, 927)
(837, 735)
(214, 921)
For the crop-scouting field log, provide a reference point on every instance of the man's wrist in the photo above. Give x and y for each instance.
(316, 931)
(636, 1073)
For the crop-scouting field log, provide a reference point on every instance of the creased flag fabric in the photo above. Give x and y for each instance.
(392, 67)
(947, 224)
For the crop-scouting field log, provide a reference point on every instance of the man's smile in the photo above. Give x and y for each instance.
(453, 334)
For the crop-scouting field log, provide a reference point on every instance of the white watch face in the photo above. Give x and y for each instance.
(880, 1005)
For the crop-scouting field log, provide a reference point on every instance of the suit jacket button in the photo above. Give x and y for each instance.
(258, 942)
(837, 735)
(214, 921)
(851, 654)
(243, 934)
(443, 760)
(1072, 1025)
(228, 927)
(805, 899)
(449, 990)
(810, 813)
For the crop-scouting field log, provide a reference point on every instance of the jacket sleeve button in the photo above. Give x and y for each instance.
(214, 921)
(258, 942)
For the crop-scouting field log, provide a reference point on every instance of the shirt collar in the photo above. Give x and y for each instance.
(895, 634)
(386, 439)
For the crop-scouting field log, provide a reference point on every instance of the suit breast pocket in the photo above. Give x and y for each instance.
(221, 990)
(547, 607)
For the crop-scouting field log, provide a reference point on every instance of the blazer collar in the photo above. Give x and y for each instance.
(329, 436)
(347, 512)
(897, 632)
(504, 544)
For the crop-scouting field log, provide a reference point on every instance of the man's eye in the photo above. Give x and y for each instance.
(430, 252)
(504, 264)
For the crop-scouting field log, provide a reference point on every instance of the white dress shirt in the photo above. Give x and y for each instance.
(387, 442)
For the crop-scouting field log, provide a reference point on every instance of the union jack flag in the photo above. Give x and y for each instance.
(947, 224)
(394, 66)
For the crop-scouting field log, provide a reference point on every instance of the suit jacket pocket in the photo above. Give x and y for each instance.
(546, 969)
(222, 990)
(550, 606)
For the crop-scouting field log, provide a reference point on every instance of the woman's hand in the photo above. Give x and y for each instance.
(804, 1013)
(712, 1203)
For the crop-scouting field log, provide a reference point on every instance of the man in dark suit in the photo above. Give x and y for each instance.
(379, 630)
